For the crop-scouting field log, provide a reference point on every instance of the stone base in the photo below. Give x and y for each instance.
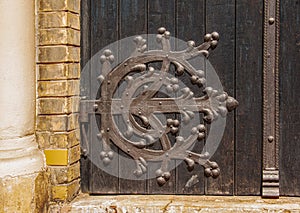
(170, 203)
(26, 193)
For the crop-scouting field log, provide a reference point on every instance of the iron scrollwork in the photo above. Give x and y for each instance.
(137, 105)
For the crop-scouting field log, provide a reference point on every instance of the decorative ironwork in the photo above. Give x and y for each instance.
(137, 105)
(270, 180)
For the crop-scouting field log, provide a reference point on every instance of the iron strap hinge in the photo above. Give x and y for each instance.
(84, 127)
(270, 179)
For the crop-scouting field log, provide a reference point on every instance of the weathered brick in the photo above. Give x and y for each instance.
(52, 88)
(59, 88)
(64, 139)
(54, 5)
(59, 105)
(58, 140)
(58, 71)
(52, 106)
(57, 123)
(73, 87)
(74, 103)
(73, 138)
(65, 192)
(43, 139)
(58, 36)
(74, 154)
(73, 121)
(52, 123)
(60, 175)
(58, 19)
(57, 54)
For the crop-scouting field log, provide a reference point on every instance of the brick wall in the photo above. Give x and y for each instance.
(58, 72)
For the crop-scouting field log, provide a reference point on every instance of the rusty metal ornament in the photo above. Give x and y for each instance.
(137, 106)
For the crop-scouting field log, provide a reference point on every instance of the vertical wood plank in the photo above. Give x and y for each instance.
(85, 55)
(249, 31)
(133, 17)
(289, 67)
(133, 21)
(161, 13)
(104, 30)
(220, 17)
(190, 25)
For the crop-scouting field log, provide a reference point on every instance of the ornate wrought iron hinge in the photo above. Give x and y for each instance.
(136, 106)
(270, 181)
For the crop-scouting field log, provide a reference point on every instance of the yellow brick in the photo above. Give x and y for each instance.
(74, 103)
(58, 20)
(65, 140)
(74, 154)
(52, 88)
(56, 157)
(53, 106)
(73, 138)
(57, 54)
(73, 121)
(52, 123)
(58, 71)
(58, 36)
(65, 192)
(43, 139)
(60, 175)
(60, 140)
(73, 87)
(58, 88)
(47, 106)
(52, 5)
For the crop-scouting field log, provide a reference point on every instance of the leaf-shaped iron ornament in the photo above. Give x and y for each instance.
(135, 93)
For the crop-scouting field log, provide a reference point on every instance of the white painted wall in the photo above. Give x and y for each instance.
(17, 88)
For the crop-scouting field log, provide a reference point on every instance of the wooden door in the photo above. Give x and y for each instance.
(238, 60)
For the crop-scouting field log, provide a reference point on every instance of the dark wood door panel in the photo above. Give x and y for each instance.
(248, 89)
(289, 67)
(237, 60)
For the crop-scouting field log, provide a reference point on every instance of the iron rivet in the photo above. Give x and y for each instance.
(270, 139)
(128, 150)
(125, 64)
(108, 82)
(160, 103)
(95, 107)
(271, 21)
(140, 112)
(121, 106)
(107, 129)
